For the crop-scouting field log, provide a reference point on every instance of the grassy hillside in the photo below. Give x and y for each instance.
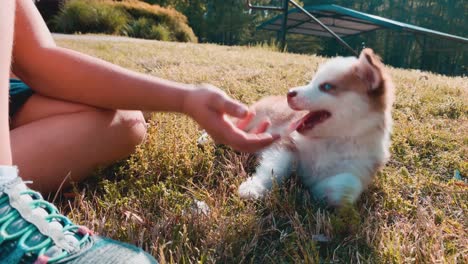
(414, 212)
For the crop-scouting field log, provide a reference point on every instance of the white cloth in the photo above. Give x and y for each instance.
(8, 174)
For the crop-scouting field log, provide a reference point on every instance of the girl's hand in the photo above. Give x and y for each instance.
(209, 106)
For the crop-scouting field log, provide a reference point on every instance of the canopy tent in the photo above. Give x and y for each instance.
(341, 21)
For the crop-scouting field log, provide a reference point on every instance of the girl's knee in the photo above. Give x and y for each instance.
(131, 126)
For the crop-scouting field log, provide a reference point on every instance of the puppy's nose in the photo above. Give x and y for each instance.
(292, 93)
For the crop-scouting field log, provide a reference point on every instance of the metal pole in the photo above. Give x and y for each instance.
(285, 18)
(342, 42)
(284, 25)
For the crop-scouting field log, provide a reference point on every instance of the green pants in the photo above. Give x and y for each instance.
(19, 94)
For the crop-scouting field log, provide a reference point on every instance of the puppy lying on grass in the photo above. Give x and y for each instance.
(335, 131)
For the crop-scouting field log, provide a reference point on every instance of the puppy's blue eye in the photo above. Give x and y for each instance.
(326, 87)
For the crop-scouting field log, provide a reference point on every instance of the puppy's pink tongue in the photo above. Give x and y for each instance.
(309, 121)
(295, 125)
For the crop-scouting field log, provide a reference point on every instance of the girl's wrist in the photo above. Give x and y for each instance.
(187, 99)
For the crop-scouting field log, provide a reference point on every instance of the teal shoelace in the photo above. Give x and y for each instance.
(25, 238)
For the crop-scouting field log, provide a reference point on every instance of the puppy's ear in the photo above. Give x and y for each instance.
(369, 69)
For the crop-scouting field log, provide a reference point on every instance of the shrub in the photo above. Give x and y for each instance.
(132, 18)
(90, 17)
(148, 29)
(160, 32)
(173, 20)
(139, 28)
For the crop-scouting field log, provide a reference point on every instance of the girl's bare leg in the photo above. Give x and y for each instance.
(6, 43)
(54, 140)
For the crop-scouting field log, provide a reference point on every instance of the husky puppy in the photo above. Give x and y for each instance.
(335, 131)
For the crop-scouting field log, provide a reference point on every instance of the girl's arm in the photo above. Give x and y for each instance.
(69, 75)
(65, 74)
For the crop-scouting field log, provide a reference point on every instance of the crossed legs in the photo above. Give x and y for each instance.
(55, 141)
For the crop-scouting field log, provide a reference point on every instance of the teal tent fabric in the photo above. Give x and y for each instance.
(345, 22)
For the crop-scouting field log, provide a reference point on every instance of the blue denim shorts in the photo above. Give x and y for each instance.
(19, 94)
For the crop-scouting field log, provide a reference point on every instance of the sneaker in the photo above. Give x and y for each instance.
(33, 231)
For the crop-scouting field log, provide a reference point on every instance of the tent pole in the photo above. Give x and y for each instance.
(284, 28)
(340, 40)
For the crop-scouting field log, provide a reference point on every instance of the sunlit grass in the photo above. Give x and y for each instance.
(414, 212)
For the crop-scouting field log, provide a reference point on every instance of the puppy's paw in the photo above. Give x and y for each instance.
(338, 190)
(252, 189)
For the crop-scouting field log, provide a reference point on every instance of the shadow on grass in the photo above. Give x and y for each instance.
(292, 227)
(288, 226)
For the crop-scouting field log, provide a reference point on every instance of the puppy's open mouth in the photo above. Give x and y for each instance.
(310, 120)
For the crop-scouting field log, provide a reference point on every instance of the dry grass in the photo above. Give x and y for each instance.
(414, 212)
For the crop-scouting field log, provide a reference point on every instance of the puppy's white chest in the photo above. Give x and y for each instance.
(318, 159)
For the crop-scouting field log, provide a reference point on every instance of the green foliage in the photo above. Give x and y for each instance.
(147, 28)
(133, 18)
(229, 22)
(411, 50)
(90, 16)
(168, 17)
(161, 32)
(220, 21)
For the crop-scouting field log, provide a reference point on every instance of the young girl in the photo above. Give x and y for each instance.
(68, 113)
